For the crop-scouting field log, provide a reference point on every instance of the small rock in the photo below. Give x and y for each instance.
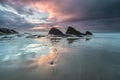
(51, 62)
(88, 33)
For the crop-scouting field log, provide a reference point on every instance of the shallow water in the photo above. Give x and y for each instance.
(88, 58)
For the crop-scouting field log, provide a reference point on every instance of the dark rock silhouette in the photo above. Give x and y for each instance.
(88, 33)
(7, 31)
(55, 31)
(73, 31)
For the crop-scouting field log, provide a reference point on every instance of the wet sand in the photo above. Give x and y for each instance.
(96, 58)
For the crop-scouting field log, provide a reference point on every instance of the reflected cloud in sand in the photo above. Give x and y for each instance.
(50, 58)
(87, 38)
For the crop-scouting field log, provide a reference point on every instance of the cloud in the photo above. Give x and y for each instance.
(11, 20)
(68, 10)
(44, 26)
(64, 11)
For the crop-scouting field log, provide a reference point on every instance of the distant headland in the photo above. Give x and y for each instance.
(6, 31)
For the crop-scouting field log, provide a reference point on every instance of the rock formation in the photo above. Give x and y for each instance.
(69, 33)
(55, 31)
(88, 33)
(73, 31)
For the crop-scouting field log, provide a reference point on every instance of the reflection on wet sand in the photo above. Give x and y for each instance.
(55, 40)
(41, 57)
(48, 58)
(87, 38)
(6, 38)
(71, 40)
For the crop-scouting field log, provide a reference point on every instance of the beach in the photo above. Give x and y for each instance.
(95, 57)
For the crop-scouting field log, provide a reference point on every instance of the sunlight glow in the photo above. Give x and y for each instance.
(38, 28)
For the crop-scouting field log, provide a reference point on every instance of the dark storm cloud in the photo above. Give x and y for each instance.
(101, 25)
(11, 20)
(91, 9)
(19, 6)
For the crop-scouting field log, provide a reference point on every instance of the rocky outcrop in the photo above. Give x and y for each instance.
(4, 31)
(55, 31)
(88, 33)
(73, 31)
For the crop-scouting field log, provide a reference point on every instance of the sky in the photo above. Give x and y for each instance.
(93, 15)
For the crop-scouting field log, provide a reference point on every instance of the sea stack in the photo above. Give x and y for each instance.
(88, 33)
(55, 31)
(73, 31)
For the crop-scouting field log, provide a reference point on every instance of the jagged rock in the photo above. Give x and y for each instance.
(7, 31)
(88, 33)
(55, 31)
(73, 31)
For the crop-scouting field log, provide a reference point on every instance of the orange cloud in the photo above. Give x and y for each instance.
(53, 8)
(58, 10)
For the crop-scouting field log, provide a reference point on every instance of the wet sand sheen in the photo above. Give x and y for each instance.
(94, 59)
